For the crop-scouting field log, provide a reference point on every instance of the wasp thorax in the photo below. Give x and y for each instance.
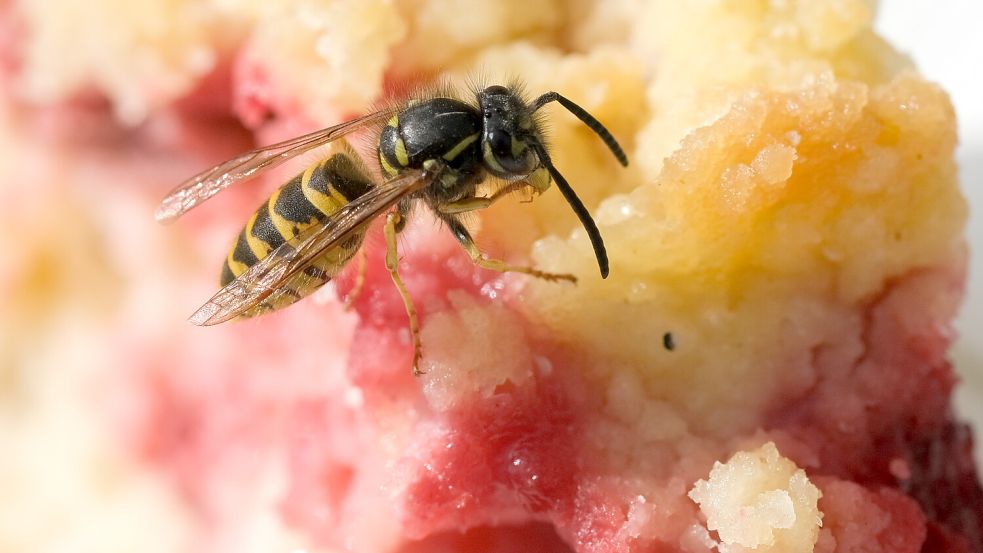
(505, 133)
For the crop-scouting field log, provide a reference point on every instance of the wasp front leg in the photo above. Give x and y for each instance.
(535, 183)
(479, 202)
(479, 258)
(394, 223)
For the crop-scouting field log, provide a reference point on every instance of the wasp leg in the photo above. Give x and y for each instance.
(393, 220)
(463, 206)
(481, 202)
(479, 259)
(356, 290)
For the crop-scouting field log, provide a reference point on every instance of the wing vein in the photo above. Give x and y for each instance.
(210, 182)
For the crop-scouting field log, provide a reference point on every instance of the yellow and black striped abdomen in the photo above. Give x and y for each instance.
(308, 199)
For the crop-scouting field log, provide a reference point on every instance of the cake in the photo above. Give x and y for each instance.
(765, 369)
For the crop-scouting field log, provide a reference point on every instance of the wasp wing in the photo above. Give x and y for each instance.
(270, 276)
(206, 184)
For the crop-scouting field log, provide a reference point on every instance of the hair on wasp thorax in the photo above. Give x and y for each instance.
(453, 151)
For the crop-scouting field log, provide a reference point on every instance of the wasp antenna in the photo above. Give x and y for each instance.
(600, 252)
(587, 119)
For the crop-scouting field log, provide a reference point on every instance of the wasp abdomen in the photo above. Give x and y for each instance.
(308, 199)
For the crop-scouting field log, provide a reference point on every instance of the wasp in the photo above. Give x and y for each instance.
(435, 152)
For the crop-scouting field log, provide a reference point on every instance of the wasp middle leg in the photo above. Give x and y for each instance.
(479, 258)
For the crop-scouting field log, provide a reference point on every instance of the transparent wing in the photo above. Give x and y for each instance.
(204, 185)
(271, 275)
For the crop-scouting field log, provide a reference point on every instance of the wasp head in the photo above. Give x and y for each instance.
(507, 132)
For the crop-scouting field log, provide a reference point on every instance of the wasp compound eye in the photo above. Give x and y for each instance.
(501, 143)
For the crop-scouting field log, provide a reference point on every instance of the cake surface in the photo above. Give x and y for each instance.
(764, 370)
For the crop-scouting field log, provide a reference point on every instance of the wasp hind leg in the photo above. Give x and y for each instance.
(356, 290)
(479, 258)
(394, 222)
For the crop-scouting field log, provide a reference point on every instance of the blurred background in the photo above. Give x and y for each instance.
(944, 40)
